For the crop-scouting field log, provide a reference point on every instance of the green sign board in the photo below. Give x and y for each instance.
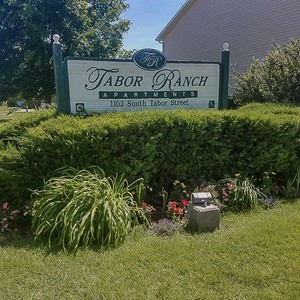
(148, 81)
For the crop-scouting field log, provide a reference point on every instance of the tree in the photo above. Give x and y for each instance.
(125, 54)
(91, 28)
(276, 79)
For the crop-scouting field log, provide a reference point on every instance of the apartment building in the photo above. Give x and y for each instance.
(200, 27)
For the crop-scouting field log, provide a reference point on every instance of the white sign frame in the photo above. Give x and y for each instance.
(104, 85)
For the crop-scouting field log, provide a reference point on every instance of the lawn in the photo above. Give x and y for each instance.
(252, 256)
(9, 113)
(4, 113)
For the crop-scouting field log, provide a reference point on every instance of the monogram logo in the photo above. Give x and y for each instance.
(149, 59)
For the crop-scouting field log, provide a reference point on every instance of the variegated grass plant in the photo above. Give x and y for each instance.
(292, 188)
(245, 195)
(84, 208)
(236, 193)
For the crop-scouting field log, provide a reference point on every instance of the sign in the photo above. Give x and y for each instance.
(107, 86)
(148, 81)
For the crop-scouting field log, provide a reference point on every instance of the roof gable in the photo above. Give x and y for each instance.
(175, 19)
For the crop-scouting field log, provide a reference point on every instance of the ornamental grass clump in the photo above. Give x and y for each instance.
(84, 208)
(236, 194)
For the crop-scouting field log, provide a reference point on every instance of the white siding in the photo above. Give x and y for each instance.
(249, 26)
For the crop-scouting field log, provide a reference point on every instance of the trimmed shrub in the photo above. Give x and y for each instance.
(12, 130)
(12, 178)
(12, 187)
(161, 146)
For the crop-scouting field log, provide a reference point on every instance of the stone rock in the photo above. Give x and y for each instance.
(203, 219)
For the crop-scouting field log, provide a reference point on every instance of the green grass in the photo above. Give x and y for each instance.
(4, 113)
(8, 113)
(4, 107)
(252, 256)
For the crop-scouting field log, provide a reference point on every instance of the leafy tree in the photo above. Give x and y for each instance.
(87, 28)
(125, 54)
(277, 79)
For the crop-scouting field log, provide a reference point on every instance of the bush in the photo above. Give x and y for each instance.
(13, 187)
(84, 208)
(277, 79)
(292, 187)
(193, 147)
(236, 194)
(12, 103)
(11, 131)
(244, 195)
(7, 220)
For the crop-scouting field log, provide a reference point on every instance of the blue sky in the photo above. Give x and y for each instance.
(148, 18)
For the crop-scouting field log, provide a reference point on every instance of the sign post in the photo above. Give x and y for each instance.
(148, 81)
(225, 76)
(60, 78)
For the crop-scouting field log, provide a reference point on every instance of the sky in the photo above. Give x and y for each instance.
(148, 18)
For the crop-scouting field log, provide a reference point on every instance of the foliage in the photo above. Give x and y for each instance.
(12, 186)
(164, 195)
(267, 184)
(192, 147)
(179, 191)
(276, 79)
(11, 131)
(166, 227)
(237, 194)
(12, 102)
(84, 208)
(7, 220)
(267, 202)
(176, 211)
(87, 28)
(148, 210)
(125, 54)
(292, 188)
(245, 195)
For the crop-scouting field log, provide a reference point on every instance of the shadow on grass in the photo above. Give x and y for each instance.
(26, 241)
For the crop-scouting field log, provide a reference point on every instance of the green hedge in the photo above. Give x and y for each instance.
(12, 185)
(160, 146)
(10, 131)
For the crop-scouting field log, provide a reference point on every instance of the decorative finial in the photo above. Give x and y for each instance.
(225, 47)
(56, 39)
